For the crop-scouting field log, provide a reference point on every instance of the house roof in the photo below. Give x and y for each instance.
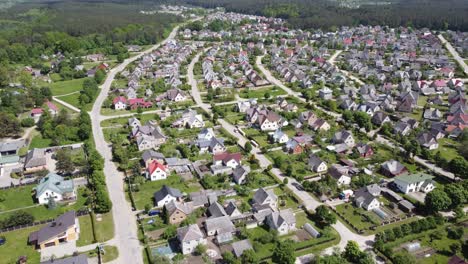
(154, 165)
(240, 246)
(261, 195)
(219, 224)
(414, 178)
(151, 154)
(393, 166)
(189, 233)
(59, 226)
(276, 219)
(226, 157)
(172, 206)
(166, 190)
(240, 171)
(119, 99)
(80, 259)
(314, 161)
(230, 208)
(55, 183)
(216, 210)
(11, 145)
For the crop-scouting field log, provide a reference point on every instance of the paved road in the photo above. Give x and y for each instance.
(454, 53)
(348, 74)
(126, 238)
(193, 82)
(290, 92)
(308, 201)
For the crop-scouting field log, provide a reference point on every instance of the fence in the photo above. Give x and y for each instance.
(13, 228)
(36, 181)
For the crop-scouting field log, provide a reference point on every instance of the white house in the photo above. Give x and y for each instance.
(282, 221)
(190, 237)
(156, 171)
(165, 195)
(316, 164)
(279, 137)
(265, 197)
(418, 182)
(120, 103)
(54, 186)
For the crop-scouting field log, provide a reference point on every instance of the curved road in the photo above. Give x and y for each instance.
(126, 232)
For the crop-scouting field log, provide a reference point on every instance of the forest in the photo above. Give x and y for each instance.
(308, 14)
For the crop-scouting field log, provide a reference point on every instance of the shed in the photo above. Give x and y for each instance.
(311, 230)
(406, 206)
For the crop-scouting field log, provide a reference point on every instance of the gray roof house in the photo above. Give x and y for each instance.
(239, 247)
(35, 160)
(392, 168)
(190, 237)
(316, 164)
(262, 197)
(221, 227)
(283, 221)
(366, 197)
(216, 210)
(240, 173)
(165, 195)
(55, 230)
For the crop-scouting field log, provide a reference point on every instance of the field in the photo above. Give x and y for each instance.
(110, 253)
(104, 229)
(66, 87)
(17, 245)
(260, 93)
(72, 99)
(38, 142)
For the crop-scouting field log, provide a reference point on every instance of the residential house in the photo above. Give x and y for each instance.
(156, 171)
(364, 150)
(220, 227)
(65, 228)
(239, 247)
(165, 195)
(35, 161)
(343, 136)
(341, 173)
(428, 140)
(379, 118)
(232, 210)
(240, 173)
(279, 137)
(53, 186)
(216, 210)
(176, 95)
(367, 197)
(120, 103)
(134, 123)
(326, 93)
(149, 155)
(316, 164)
(231, 160)
(189, 238)
(282, 221)
(190, 119)
(392, 168)
(414, 183)
(80, 259)
(266, 197)
(177, 211)
(214, 145)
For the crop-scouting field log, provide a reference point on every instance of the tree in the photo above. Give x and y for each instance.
(459, 166)
(200, 249)
(284, 252)
(17, 218)
(248, 146)
(10, 125)
(249, 257)
(64, 161)
(169, 232)
(457, 193)
(403, 258)
(324, 217)
(352, 252)
(27, 122)
(437, 200)
(229, 258)
(99, 76)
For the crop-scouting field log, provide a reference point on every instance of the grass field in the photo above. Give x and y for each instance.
(72, 99)
(110, 253)
(66, 87)
(39, 142)
(104, 229)
(447, 148)
(145, 194)
(17, 245)
(16, 198)
(260, 93)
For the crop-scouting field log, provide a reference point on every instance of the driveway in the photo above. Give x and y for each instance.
(64, 249)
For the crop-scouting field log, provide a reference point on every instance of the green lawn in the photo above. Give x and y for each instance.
(38, 142)
(16, 198)
(124, 120)
(447, 148)
(145, 194)
(299, 165)
(110, 253)
(41, 212)
(17, 245)
(72, 99)
(353, 215)
(285, 201)
(66, 87)
(260, 93)
(104, 229)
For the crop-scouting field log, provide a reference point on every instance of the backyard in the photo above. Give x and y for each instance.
(104, 229)
(17, 241)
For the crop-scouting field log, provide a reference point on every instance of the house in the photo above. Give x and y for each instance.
(343, 136)
(366, 197)
(80, 259)
(320, 124)
(342, 174)
(156, 171)
(214, 145)
(239, 247)
(231, 209)
(231, 160)
(279, 137)
(134, 123)
(120, 103)
(220, 227)
(428, 140)
(190, 119)
(364, 150)
(11, 147)
(379, 118)
(432, 114)
(282, 221)
(216, 210)
(316, 164)
(54, 186)
(414, 183)
(326, 93)
(206, 134)
(265, 197)
(149, 155)
(177, 212)
(65, 228)
(165, 195)
(392, 168)
(402, 128)
(53, 109)
(240, 173)
(35, 161)
(189, 238)
(36, 113)
(176, 95)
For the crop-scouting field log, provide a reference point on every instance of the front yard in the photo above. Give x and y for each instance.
(17, 245)
(104, 229)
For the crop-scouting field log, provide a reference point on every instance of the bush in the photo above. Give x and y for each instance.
(16, 219)
(27, 122)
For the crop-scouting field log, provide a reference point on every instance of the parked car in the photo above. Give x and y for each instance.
(154, 212)
(2, 240)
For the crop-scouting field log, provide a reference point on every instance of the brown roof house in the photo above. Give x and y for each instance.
(35, 161)
(64, 229)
